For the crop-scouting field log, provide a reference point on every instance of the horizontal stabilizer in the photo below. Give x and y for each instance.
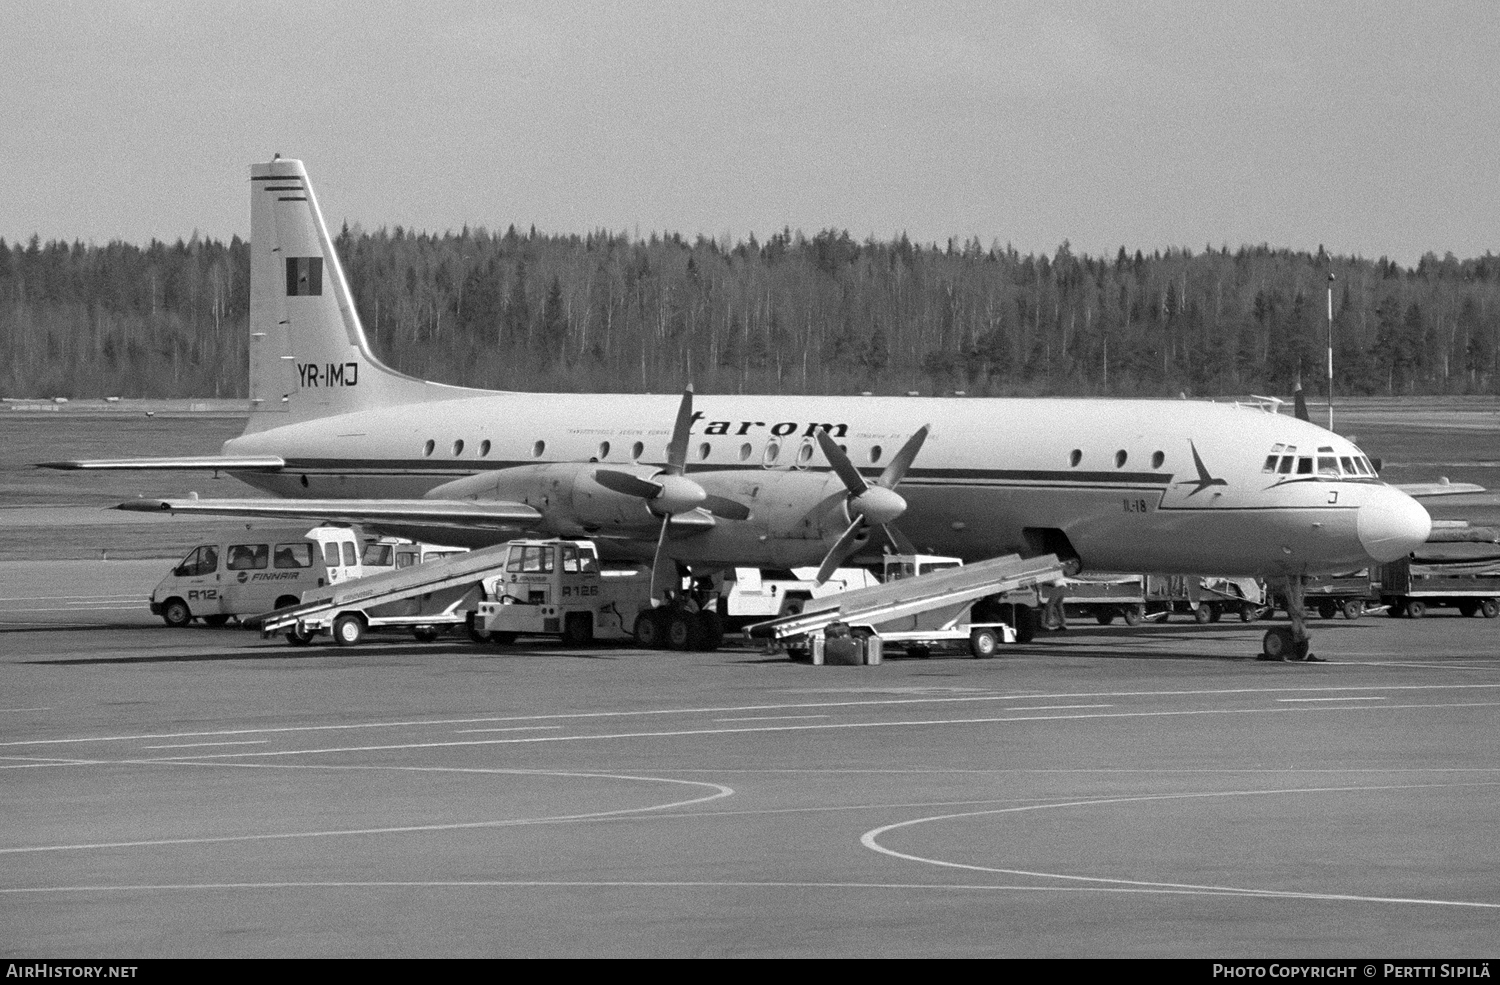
(1426, 490)
(443, 512)
(243, 463)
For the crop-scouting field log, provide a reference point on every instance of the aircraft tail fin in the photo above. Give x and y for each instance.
(309, 356)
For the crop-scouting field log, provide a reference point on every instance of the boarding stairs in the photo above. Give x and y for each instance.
(939, 599)
(453, 575)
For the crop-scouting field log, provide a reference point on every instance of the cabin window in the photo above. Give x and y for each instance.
(538, 448)
(1120, 458)
(458, 447)
(636, 450)
(1286, 465)
(298, 555)
(1304, 465)
(746, 451)
(428, 448)
(704, 450)
(1074, 457)
(804, 453)
(1271, 461)
(773, 451)
(604, 449)
(248, 557)
(1158, 458)
(484, 448)
(875, 451)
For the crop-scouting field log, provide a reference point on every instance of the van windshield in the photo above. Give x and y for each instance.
(203, 561)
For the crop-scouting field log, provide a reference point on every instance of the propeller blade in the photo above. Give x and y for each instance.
(895, 471)
(840, 551)
(1300, 405)
(663, 570)
(677, 448)
(842, 467)
(896, 537)
(627, 485)
(727, 508)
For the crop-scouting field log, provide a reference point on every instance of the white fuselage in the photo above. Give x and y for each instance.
(1118, 478)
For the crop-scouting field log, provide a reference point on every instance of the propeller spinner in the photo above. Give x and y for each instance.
(878, 503)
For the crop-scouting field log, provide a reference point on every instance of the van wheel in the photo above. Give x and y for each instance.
(296, 637)
(216, 621)
(176, 613)
(348, 630)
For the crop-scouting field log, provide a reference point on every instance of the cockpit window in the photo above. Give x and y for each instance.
(1304, 465)
(1271, 461)
(1328, 465)
(1347, 464)
(1286, 465)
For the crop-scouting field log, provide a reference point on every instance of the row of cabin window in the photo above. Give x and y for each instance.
(1330, 465)
(1158, 458)
(705, 449)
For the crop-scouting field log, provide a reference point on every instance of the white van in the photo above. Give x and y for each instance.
(249, 570)
(395, 553)
(752, 594)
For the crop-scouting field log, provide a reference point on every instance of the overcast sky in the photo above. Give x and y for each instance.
(1370, 127)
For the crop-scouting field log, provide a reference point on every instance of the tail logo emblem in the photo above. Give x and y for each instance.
(1204, 480)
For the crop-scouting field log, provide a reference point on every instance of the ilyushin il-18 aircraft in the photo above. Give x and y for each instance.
(712, 481)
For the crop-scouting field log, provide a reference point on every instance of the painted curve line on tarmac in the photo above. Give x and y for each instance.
(870, 839)
(719, 791)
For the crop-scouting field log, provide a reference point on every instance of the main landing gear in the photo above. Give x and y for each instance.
(1290, 642)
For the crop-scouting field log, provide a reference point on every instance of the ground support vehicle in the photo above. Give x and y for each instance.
(918, 613)
(749, 595)
(557, 588)
(1244, 596)
(1464, 576)
(1136, 598)
(248, 569)
(425, 598)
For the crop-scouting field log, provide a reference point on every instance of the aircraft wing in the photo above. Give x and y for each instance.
(1424, 490)
(246, 463)
(442, 512)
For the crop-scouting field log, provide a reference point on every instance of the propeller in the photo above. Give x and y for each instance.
(669, 493)
(878, 503)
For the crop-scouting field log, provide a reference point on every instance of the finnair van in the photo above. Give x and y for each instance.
(247, 570)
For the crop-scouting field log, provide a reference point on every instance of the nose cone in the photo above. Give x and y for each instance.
(1392, 525)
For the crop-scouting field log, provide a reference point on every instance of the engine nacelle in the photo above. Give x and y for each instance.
(565, 493)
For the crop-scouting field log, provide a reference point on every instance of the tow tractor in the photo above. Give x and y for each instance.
(557, 588)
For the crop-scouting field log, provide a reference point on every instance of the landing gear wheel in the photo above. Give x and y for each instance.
(176, 613)
(1416, 609)
(1301, 650)
(680, 631)
(348, 630)
(1277, 644)
(983, 643)
(297, 637)
(710, 631)
(1135, 615)
(1353, 609)
(1203, 615)
(650, 632)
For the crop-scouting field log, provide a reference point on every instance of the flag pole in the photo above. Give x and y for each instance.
(1330, 350)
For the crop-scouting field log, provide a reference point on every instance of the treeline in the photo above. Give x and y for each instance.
(795, 314)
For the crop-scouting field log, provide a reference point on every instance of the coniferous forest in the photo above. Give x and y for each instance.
(795, 314)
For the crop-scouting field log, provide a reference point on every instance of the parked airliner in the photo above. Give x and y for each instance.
(713, 481)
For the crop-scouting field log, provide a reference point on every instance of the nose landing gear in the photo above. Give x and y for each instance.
(1290, 642)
